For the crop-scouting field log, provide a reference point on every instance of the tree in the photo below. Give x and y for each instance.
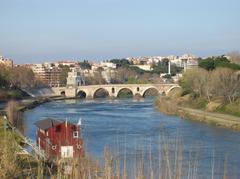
(120, 62)
(95, 80)
(226, 84)
(4, 76)
(123, 74)
(207, 64)
(195, 81)
(175, 69)
(85, 65)
(161, 67)
(137, 70)
(22, 77)
(64, 75)
(212, 63)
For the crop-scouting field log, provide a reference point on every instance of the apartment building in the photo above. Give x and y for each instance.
(48, 74)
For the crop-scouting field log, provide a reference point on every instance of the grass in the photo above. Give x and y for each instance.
(232, 109)
(10, 162)
(166, 105)
(196, 103)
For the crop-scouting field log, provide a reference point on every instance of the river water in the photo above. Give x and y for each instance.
(133, 129)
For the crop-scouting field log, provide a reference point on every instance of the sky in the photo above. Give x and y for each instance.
(48, 30)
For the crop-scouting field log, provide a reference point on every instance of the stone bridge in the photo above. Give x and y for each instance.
(113, 90)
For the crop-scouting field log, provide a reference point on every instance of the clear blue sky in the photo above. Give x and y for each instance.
(38, 30)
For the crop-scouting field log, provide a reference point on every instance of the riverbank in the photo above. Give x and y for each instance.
(15, 161)
(197, 110)
(14, 94)
(220, 120)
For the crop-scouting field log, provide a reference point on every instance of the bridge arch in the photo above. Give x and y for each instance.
(150, 92)
(81, 94)
(172, 88)
(125, 93)
(101, 93)
(63, 93)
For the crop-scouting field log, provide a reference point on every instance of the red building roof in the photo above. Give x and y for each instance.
(47, 123)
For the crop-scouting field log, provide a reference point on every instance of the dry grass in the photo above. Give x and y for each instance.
(8, 157)
(166, 105)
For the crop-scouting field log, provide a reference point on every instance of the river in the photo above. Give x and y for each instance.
(132, 128)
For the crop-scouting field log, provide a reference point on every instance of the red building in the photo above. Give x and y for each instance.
(59, 139)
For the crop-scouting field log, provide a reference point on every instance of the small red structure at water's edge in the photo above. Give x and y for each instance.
(59, 139)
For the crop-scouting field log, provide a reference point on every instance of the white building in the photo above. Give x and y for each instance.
(189, 61)
(67, 63)
(74, 79)
(108, 65)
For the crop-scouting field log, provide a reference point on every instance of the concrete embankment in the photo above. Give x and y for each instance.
(221, 120)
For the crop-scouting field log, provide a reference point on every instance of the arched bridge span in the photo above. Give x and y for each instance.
(113, 90)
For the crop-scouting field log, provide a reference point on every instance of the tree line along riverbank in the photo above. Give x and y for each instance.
(207, 96)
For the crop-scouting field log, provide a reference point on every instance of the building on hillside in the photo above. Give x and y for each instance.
(154, 60)
(59, 139)
(75, 79)
(189, 61)
(47, 73)
(6, 61)
(177, 61)
(138, 60)
(67, 63)
(108, 65)
(144, 67)
(40, 72)
(54, 76)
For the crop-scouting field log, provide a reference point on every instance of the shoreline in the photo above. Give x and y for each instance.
(217, 119)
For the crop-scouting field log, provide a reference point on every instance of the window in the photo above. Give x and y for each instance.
(66, 151)
(137, 88)
(75, 134)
